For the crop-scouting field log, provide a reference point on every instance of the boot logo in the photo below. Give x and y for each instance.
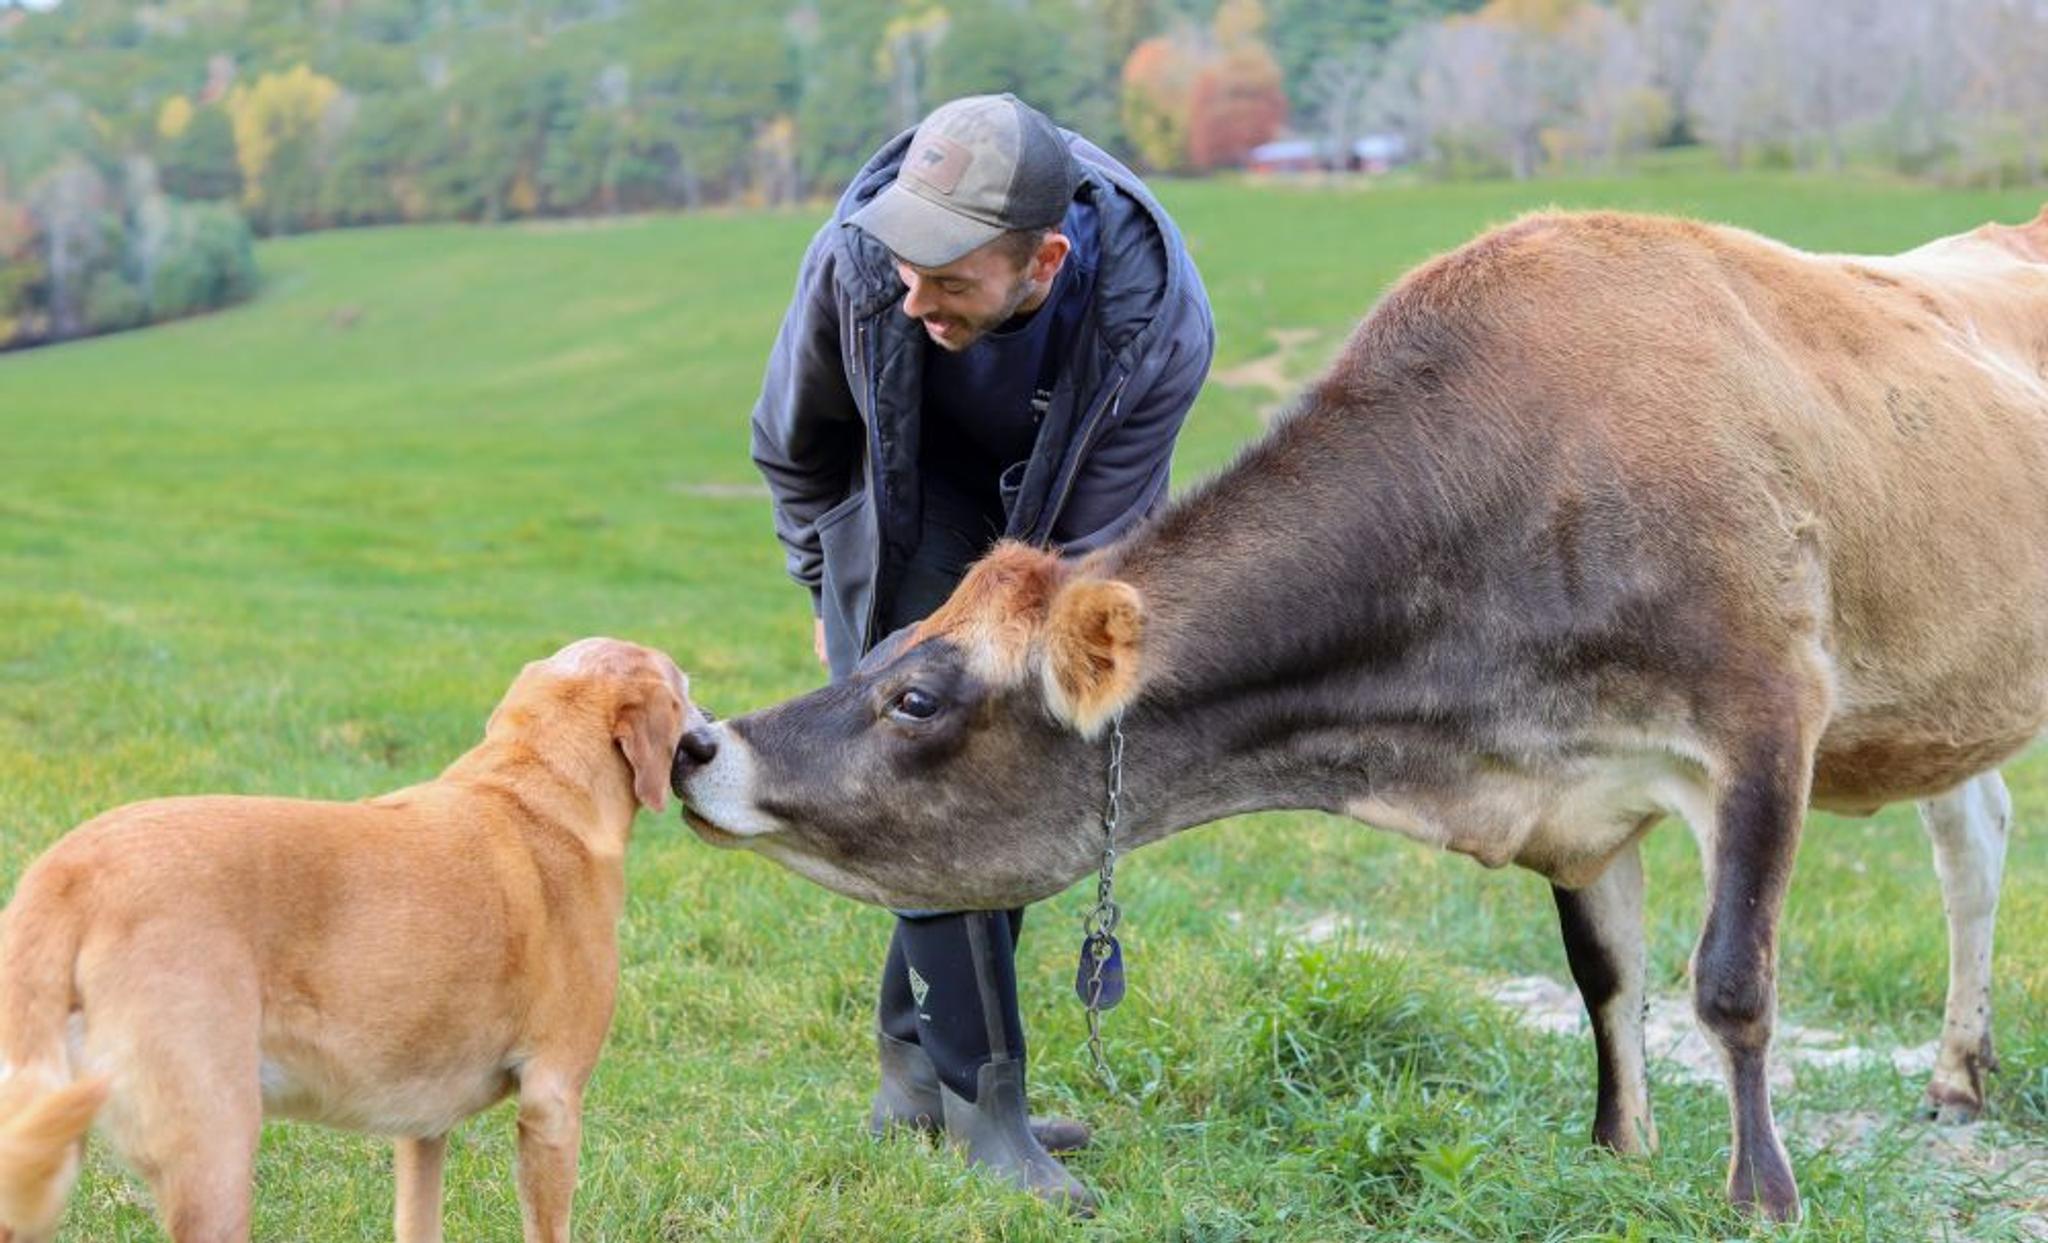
(919, 986)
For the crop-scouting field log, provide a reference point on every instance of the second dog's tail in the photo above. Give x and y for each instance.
(44, 1112)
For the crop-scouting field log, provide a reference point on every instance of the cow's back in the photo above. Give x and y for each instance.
(1813, 449)
(1926, 475)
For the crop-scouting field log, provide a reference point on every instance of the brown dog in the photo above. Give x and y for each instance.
(182, 968)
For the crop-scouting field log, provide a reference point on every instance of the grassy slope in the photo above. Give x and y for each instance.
(300, 547)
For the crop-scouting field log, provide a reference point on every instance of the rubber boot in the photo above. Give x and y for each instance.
(909, 1097)
(969, 1027)
(992, 1131)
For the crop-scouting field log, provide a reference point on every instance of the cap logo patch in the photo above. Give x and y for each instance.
(938, 162)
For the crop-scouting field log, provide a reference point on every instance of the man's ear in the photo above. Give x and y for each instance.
(1052, 252)
(647, 729)
(1092, 646)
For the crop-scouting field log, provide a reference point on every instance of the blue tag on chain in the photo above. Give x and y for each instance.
(1106, 949)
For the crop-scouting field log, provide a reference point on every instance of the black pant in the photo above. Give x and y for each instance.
(949, 982)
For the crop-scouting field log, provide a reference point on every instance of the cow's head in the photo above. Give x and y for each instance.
(959, 767)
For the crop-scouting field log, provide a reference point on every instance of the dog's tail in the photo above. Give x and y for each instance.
(44, 1111)
(40, 1151)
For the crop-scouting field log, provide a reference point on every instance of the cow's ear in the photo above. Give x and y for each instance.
(1092, 638)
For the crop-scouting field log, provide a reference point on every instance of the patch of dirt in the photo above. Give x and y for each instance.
(1274, 373)
(1978, 1153)
(1982, 1153)
(1674, 1037)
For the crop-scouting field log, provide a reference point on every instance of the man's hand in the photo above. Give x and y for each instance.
(818, 641)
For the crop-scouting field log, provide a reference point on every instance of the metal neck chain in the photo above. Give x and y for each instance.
(1100, 923)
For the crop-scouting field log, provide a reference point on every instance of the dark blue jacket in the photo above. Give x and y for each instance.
(836, 429)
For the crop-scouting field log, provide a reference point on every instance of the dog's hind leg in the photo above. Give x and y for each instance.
(1968, 827)
(550, 1132)
(418, 1165)
(204, 1195)
(194, 1140)
(193, 1137)
(185, 1050)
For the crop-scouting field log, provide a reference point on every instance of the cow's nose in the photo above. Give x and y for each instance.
(695, 750)
(699, 746)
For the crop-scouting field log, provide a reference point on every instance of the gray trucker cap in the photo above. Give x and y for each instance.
(976, 168)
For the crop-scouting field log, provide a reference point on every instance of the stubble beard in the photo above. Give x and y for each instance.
(1019, 294)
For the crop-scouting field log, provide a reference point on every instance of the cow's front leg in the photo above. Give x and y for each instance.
(1603, 941)
(1749, 862)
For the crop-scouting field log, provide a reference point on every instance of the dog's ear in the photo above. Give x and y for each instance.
(648, 728)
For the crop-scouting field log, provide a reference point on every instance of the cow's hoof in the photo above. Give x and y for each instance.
(1950, 1110)
(1770, 1194)
(1955, 1095)
(1634, 1138)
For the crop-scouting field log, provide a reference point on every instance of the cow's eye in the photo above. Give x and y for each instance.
(914, 705)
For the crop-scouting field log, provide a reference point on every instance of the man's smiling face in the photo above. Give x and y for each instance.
(965, 300)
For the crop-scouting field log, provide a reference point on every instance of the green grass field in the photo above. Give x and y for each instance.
(301, 547)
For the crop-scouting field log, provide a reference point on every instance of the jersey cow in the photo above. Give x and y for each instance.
(1599, 519)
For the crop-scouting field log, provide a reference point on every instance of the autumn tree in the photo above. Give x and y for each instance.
(284, 125)
(1158, 90)
(1237, 101)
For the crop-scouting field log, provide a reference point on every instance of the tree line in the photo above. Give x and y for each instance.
(145, 143)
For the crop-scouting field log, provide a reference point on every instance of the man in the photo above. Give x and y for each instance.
(998, 333)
